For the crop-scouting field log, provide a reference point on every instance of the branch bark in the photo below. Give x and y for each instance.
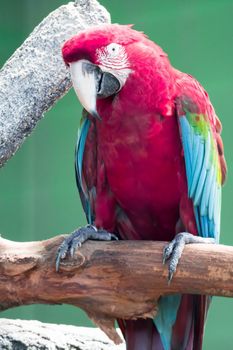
(35, 77)
(109, 280)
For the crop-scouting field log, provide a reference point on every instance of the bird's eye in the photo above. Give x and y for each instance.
(113, 49)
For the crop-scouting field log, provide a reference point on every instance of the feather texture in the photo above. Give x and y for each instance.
(202, 170)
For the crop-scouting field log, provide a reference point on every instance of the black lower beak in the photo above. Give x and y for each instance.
(106, 83)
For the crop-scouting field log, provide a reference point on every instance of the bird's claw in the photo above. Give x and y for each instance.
(173, 250)
(79, 236)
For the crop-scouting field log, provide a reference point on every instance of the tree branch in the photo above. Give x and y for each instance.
(109, 280)
(35, 77)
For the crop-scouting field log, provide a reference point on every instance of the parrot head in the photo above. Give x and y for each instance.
(101, 59)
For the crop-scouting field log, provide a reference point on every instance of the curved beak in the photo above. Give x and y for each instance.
(90, 83)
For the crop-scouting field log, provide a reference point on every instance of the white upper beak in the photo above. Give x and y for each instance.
(84, 83)
(91, 81)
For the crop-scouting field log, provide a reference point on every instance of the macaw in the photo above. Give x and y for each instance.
(149, 165)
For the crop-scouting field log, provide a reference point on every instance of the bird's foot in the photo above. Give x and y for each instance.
(78, 237)
(173, 250)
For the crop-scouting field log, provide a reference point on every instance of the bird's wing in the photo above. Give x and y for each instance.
(205, 171)
(204, 160)
(86, 176)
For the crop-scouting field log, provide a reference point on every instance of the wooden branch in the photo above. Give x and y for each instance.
(35, 76)
(109, 280)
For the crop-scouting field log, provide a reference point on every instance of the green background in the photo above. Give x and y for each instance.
(38, 192)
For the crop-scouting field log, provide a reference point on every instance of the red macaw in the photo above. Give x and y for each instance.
(149, 165)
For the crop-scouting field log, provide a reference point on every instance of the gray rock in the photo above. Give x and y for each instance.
(34, 335)
(35, 77)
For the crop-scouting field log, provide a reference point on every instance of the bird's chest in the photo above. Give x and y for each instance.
(144, 162)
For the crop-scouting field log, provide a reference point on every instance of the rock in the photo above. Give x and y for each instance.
(35, 335)
(35, 76)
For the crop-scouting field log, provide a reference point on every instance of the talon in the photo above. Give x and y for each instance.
(72, 252)
(74, 246)
(113, 237)
(93, 227)
(78, 237)
(173, 250)
(167, 251)
(170, 276)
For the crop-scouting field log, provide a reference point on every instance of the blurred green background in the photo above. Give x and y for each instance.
(38, 192)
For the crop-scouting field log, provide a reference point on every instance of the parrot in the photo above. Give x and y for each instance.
(149, 165)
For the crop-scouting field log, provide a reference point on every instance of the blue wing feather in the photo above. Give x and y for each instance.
(187, 147)
(82, 136)
(196, 174)
(196, 147)
(206, 191)
(211, 203)
(79, 153)
(202, 174)
(199, 188)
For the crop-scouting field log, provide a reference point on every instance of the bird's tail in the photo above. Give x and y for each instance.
(168, 331)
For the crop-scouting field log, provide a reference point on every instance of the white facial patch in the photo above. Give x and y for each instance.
(113, 58)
